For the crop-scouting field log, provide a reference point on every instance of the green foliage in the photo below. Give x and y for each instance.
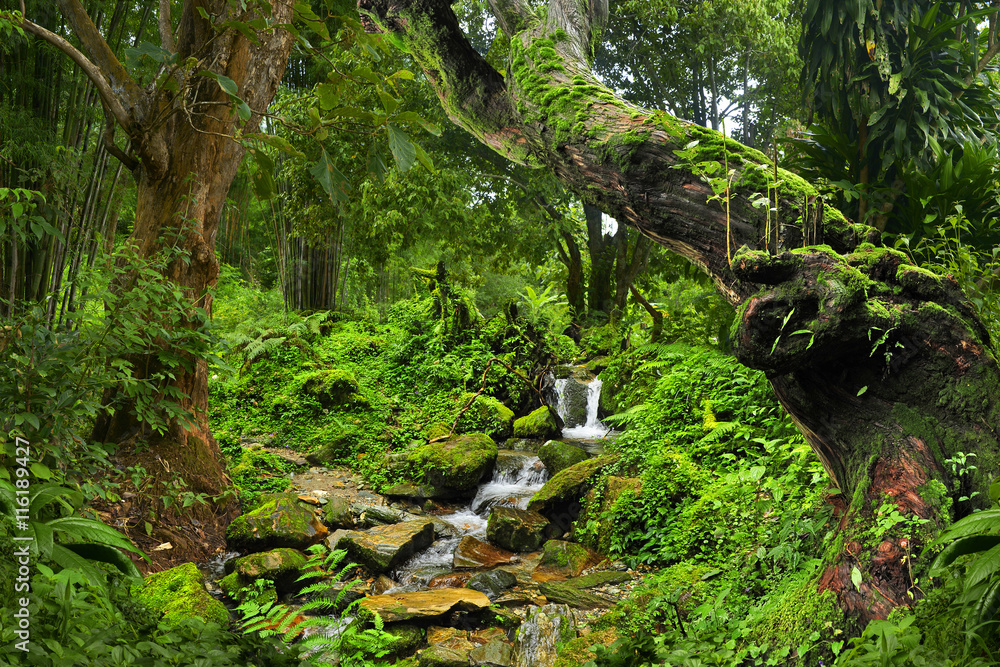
(344, 639)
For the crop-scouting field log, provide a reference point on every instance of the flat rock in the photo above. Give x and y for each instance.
(471, 552)
(516, 529)
(385, 548)
(492, 583)
(495, 653)
(424, 604)
(595, 579)
(562, 560)
(557, 591)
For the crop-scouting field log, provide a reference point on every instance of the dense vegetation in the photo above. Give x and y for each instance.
(387, 281)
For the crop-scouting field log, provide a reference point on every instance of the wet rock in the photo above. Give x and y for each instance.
(492, 583)
(337, 513)
(279, 520)
(282, 566)
(471, 552)
(385, 548)
(573, 403)
(439, 656)
(424, 604)
(375, 515)
(542, 424)
(517, 530)
(382, 584)
(562, 560)
(496, 653)
(334, 387)
(408, 637)
(568, 486)
(450, 580)
(558, 591)
(448, 469)
(540, 635)
(595, 579)
(424, 491)
(557, 456)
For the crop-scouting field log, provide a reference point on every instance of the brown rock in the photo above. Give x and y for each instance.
(471, 552)
(424, 604)
(386, 547)
(563, 560)
(450, 580)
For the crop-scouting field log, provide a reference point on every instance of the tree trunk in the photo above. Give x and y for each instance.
(895, 373)
(187, 157)
(601, 248)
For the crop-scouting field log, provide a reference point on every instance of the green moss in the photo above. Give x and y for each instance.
(569, 483)
(179, 593)
(458, 463)
(540, 424)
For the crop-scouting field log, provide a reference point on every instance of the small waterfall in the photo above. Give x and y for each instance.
(577, 406)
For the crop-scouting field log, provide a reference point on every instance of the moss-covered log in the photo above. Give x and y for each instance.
(884, 367)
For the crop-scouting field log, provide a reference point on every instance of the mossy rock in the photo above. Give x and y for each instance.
(456, 464)
(334, 388)
(282, 566)
(619, 499)
(438, 430)
(486, 415)
(569, 484)
(332, 448)
(279, 520)
(337, 512)
(542, 424)
(179, 593)
(562, 593)
(409, 637)
(557, 456)
(563, 560)
(517, 530)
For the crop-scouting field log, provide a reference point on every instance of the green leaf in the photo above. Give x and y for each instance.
(334, 183)
(856, 578)
(328, 95)
(987, 565)
(862, 390)
(263, 176)
(225, 83)
(413, 117)
(40, 471)
(92, 531)
(389, 103)
(403, 151)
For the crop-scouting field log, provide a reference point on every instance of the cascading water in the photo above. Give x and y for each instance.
(574, 403)
(516, 477)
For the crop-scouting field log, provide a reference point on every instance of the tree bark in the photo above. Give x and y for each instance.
(185, 140)
(894, 373)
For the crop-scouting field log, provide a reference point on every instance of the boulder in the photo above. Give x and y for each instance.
(486, 415)
(375, 515)
(558, 591)
(385, 548)
(448, 469)
(517, 530)
(179, 593)
(278, 520)
(544, 630)
(568, 485)
(439, 656)
(424, 604)
(408, 637)
(562, 560)
(334, 387)
(573, 403)
(471, 552)
(557, 456)
(492, 583)
(595, 579)
(337, 513)
(282, 566)
(494, 653)
(542, 424)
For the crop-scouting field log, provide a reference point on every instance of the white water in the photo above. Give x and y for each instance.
(591, 430)
(512, 487)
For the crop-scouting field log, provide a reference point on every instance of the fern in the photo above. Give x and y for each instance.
(343, 638)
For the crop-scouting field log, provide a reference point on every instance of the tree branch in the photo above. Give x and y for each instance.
(93, 72)
(166, 30)
(584, 21)
(512, 15)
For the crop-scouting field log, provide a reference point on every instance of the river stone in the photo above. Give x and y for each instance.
(424, 604)
(541, 634)
(448, 469)
(179, 593)
(542, 424)
(471, 552)
(568, 485)
(337, 513)
(385, 548)
(375, 515)
(516, 529)
(278, 520)
(424, 491)
(557, 456)
(408, 637)
(282, 566)
(562, 560)
(449, 580)
(495, 653)
(439, 656)
(558, 591)
(492, 583)
(574, 403)
(595, 579)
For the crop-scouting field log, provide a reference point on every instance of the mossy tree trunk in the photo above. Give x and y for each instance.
(183, 133)
(884, 367)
